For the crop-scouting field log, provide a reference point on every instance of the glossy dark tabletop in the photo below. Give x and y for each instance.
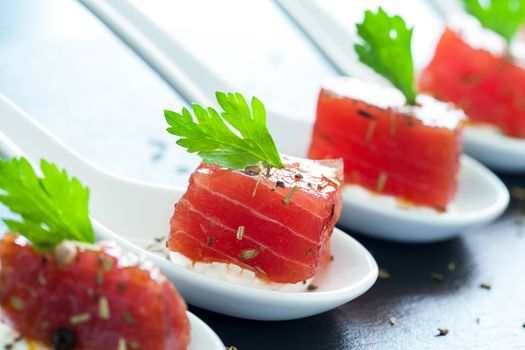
(62, 66)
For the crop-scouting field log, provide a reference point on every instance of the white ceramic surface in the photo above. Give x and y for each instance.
(480, 199)
(202, 336)
(328, 35)
(496, 151)
(446, 7)
(127, 211)
(190, 77)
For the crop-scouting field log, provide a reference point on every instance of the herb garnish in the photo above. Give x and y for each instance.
(442, 332)
(381, 181)
(248, 254)
(384, 274)
(103, 309)
(312, 287)
(288, 197)
(504, 17)
(386, 49)
(126, 316)
(52, 208)
(240, 233)
(370, 130)
(485, 285)
(518, 193)
(279, 184)
(80, 318)
(17, 303)
(122, 344)
(211, 137)
(437, 276)
(392, 321)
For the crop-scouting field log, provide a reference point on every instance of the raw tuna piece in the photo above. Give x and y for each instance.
(277, 225)
(411, 152)
(44, 300)
(489, 87)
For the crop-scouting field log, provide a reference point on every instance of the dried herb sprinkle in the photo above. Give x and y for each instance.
(80, 318)
(126, 316)
(383, 274)
(370, 130)
(17, 303)
(442, 332)
(240, 233)
(485, 285)
(288, 197)
(437, 276)
(381, 181)
(248, 254)
(312, 287)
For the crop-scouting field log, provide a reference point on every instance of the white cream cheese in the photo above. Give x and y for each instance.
(236, 274)
(360, 193)
(9, 338)
(429, 110)
(475, 35)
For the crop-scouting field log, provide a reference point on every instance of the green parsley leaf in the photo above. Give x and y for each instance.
(386, 49)
(216, 143)
(52, 208)
(504, 17)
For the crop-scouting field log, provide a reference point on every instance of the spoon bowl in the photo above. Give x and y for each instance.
(202, 336)
(128, 211)
(497, 151)
(480, 199)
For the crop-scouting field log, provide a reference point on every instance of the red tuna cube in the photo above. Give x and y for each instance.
(277, 225)
(411, 152)
(97, 300)
(490, 87)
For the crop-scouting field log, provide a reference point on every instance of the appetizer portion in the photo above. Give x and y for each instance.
(474, 68)
(251, 215)
(411, 152)
(62, 290)
(393, 142)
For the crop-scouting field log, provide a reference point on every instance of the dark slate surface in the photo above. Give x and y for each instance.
(64, 68)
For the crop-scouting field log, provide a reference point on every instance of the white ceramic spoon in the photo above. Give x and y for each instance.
(130, 211)
(446, 7)
(480, 199)
(372, 215)
(202, 337)
(497, 151)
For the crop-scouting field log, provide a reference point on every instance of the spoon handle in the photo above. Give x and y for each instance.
(22, 136)
(185, 72)
(445, 7)
(178, 66)
(114, 199)
(330, 37)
